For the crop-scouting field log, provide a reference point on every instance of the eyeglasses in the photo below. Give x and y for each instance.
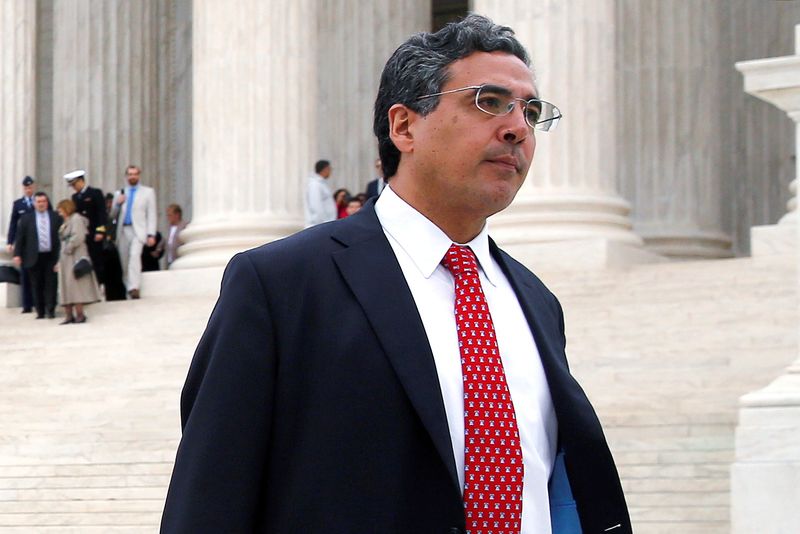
(498, 101)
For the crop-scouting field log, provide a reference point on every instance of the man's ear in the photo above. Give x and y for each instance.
(400, 118)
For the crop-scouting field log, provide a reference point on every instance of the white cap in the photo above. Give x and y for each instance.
(74, 175)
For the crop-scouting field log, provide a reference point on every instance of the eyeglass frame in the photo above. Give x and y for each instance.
(511, 107)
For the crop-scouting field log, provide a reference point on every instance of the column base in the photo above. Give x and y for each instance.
(689, 246)
(182, 282)
(212, 243)
(10, 295)
(765, 478)
(580, 255)
(543, 219)
(774, 239)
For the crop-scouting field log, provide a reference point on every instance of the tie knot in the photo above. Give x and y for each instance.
(460, 260)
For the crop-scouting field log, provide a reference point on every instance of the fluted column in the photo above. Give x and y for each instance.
(254, 119)
(671, 124)
(356, 38)
(570, 192)
(119, 95)
(17, 104)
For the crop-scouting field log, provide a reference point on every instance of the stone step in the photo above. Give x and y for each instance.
(144, 520)
(74, 506)
(85, 469)
(103, 527)
(94, 481)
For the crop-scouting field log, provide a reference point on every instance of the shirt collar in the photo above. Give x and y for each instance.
(424, 242)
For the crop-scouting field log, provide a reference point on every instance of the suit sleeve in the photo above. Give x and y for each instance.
(152, 215)
(19, 242)
(12, 225)
(225, 413)
(100, 207)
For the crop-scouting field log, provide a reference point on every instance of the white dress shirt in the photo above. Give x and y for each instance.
(419, 246)
(43, 231)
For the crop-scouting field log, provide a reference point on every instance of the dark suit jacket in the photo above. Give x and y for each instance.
(372, 188)
(92, 204)
(26, 244)
(313, 405)
(19, 209)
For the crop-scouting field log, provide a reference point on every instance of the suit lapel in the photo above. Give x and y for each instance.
(544, 323)
(370, 269)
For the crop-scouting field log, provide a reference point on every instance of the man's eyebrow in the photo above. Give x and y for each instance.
(506, 91)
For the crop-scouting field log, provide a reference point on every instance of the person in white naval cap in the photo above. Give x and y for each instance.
(135, 205)
(90, 203)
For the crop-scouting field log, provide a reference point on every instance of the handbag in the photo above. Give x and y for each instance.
(82, 267)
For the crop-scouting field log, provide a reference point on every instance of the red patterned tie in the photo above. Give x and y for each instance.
(492, 453)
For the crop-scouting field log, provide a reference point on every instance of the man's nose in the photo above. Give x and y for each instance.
(516, 130)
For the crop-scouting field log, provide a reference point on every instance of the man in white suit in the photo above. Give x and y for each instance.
(136, 207)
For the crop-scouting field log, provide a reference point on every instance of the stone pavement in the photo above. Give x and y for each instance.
(89, 420)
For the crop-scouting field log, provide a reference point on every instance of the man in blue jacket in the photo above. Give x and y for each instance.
(21, 206)
(396, 371)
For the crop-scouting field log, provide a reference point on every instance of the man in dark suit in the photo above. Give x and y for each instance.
(21, 206)
(374, 187)
(90, 202)
(351, 378)
(36, 250)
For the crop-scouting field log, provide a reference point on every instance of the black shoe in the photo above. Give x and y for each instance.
(81, 319)
(39, 316)
(68, 320)
(51, 315)
(27, 310)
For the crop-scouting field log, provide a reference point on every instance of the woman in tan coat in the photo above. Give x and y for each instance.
(75, 292)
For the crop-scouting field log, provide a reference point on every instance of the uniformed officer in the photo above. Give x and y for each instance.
(22, 206)
(90, 202)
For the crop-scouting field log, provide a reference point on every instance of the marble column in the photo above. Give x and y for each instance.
(570, 193)
(254, 120)
(17, 105)
(118, 94)
(670, 127)
(355, 40)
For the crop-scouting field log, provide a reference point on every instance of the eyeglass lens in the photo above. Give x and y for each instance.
(539, 114)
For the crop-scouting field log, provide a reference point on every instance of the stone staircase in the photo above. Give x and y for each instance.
(89, 414)
(665, 352)
(89, 420)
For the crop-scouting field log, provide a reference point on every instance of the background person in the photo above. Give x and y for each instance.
(341, 197)
(90, 203)
(135, 211)
(21, 206)
(75, 292)
(176, 226)
(36, 249)
(319, 204)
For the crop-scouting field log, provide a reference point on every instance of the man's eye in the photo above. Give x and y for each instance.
(491, 103)
(532, 113)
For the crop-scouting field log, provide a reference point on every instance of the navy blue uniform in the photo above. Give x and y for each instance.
(21, 206)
